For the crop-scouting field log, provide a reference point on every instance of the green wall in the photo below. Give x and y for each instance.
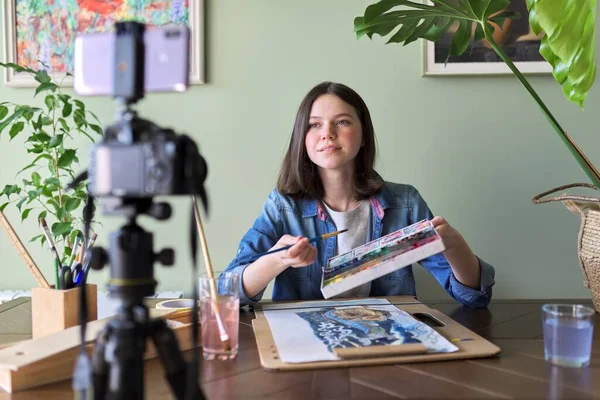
(477, 148)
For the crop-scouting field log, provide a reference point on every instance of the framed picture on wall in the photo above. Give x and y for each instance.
(45, 30)
(516, 39)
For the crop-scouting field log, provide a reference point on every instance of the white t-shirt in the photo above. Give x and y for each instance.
(357, 223)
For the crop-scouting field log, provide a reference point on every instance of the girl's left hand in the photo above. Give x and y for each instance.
(450, 236)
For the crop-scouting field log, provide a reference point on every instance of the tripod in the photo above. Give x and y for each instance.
(117, 361)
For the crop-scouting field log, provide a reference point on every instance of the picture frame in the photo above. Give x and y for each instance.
(518, 41)
(11, 43)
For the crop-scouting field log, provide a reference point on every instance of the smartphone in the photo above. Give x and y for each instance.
(166, 63)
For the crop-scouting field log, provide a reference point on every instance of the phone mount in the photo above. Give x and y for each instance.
(117, 367)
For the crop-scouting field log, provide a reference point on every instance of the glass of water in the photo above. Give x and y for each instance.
(568, 330)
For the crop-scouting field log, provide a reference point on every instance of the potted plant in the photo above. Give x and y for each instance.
(38, 188)
(567, 44)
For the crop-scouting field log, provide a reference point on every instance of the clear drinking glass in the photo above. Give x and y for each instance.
(219, 315)
(568, 330)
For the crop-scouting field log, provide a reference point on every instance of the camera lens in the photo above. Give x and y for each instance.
(172, 33)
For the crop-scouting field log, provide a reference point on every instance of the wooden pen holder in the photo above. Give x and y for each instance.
(55, 310)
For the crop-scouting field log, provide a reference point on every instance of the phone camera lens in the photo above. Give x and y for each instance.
(172, 34)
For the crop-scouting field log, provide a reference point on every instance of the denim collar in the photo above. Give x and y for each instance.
(379, 202)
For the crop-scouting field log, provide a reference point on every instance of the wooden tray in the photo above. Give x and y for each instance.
(51, 358)
(475, 347)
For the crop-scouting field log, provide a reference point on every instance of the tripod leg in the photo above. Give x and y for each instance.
(175, 366)
(99, 365)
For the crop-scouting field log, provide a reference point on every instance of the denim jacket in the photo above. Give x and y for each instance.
(392, 208)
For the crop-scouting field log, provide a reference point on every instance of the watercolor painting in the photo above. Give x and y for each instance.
(44, 31)
(359, 326)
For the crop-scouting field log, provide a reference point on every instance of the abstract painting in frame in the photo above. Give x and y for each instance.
(516, 38)
(45, 30)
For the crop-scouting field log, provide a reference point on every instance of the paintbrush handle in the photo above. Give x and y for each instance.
(209, 269)
(257, 256)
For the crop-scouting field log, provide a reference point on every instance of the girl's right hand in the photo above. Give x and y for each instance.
(301, 254)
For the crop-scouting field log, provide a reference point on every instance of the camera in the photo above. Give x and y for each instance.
(150, 161)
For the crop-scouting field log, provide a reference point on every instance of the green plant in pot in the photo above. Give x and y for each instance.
(51, 131)
(567, 44)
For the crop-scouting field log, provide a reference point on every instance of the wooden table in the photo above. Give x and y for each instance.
(519, 372)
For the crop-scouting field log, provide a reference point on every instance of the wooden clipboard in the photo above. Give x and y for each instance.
(474, 347)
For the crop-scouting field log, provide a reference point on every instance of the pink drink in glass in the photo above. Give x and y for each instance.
(229, 312)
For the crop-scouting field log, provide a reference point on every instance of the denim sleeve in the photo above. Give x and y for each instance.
(263, 235)
(439, 267)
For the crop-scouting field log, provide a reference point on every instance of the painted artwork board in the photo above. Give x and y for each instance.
(468, 344)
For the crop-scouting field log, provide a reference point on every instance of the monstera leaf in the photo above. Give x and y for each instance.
(568, 42)
(433, 22)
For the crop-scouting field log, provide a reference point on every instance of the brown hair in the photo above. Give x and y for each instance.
(299, 176)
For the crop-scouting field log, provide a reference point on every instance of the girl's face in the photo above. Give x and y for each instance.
(334, 134)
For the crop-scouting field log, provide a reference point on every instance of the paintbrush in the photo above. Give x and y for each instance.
(48, 235)
(213, 288)
(311, 240)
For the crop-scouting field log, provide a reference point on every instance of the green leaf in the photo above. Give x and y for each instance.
(36, 179)
(94, 116)
(568, 44)
(74, 234)
(50, 102)
(59, 228)
(42, 215)
(36, 149)
(66, 158)
(45, 86)
(33, 239)
(34, 193)
(25, 214)
(96, 128)
(48, 189)
(11, 189)
(461, 38)
(72, 204)
(54, 204)
(64, 125)
(52, 181)
(42, 77)
(7, 121)
(33, 164)
(28, 115)
(79, 104)
(18, 68)
(79, 118)
(55, 141)
(16, 129)
(66, 111)
(46, 121)
(429, 22)
(61, 214)
(20, 203)
(41, 137)
(3, 112)
(3, 206)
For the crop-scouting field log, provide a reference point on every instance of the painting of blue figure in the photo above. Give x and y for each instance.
(359, 326)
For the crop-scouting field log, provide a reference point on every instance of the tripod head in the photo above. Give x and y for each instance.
(133, 246)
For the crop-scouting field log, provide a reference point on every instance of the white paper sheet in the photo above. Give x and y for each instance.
(308, 334)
